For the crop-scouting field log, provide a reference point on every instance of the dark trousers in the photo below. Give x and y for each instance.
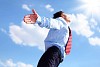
(51, 58)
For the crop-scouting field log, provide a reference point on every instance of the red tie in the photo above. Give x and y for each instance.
(69, 42)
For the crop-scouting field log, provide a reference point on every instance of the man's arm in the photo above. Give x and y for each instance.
(31, 18)
(42, 21)
(49, 23)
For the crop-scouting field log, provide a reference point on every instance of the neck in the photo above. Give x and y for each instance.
(67, 20)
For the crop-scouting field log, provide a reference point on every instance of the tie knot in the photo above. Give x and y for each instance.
(70, 33)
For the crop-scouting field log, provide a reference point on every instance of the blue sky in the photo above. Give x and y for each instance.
(21, 45)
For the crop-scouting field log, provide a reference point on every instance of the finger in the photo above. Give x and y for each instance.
(27, 16)
(34, 11)
(27, 20)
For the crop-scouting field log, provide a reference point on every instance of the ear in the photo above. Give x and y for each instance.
(61, 15)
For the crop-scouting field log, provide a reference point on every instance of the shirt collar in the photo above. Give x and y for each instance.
(60, 18)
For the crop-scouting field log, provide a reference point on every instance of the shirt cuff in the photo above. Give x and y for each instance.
(38, 20)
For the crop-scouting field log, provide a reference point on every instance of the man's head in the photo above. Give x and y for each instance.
(57, 14)
(61, 14)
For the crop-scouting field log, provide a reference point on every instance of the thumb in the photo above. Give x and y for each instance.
(34, 11)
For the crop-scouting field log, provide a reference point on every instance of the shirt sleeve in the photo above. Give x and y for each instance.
(49, 23)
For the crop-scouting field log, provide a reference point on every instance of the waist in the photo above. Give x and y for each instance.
(56, 49)
(59, 46)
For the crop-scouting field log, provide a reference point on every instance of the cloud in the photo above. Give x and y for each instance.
(49, 7)
(81, 25)
(98, 29)
(26, 7)
(3, 30)
(28, 35)
(94, 41)
(93, 23)
(10, 63)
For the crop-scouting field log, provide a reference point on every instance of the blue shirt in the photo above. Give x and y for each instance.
(58, 33)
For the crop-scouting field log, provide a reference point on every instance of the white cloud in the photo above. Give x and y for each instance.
(93, 23)
(3, 30)
(26, 7)
(49, 7)
(98, 29)
(10, 63)
(21, 64)
(28, 35)
(80, 25)
(94, 41)
(83, 25)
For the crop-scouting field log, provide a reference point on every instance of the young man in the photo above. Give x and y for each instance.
(56, 39)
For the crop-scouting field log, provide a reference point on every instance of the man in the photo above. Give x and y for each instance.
(56, 39)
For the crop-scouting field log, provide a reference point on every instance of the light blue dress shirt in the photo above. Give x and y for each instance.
(58, 33)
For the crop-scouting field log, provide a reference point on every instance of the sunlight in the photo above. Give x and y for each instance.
(91, 6)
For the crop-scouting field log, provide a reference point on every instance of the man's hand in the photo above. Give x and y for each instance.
(31, 18)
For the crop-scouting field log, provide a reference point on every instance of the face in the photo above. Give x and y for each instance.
(64, 16)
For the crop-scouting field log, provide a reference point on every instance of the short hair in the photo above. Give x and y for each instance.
(57, 14)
